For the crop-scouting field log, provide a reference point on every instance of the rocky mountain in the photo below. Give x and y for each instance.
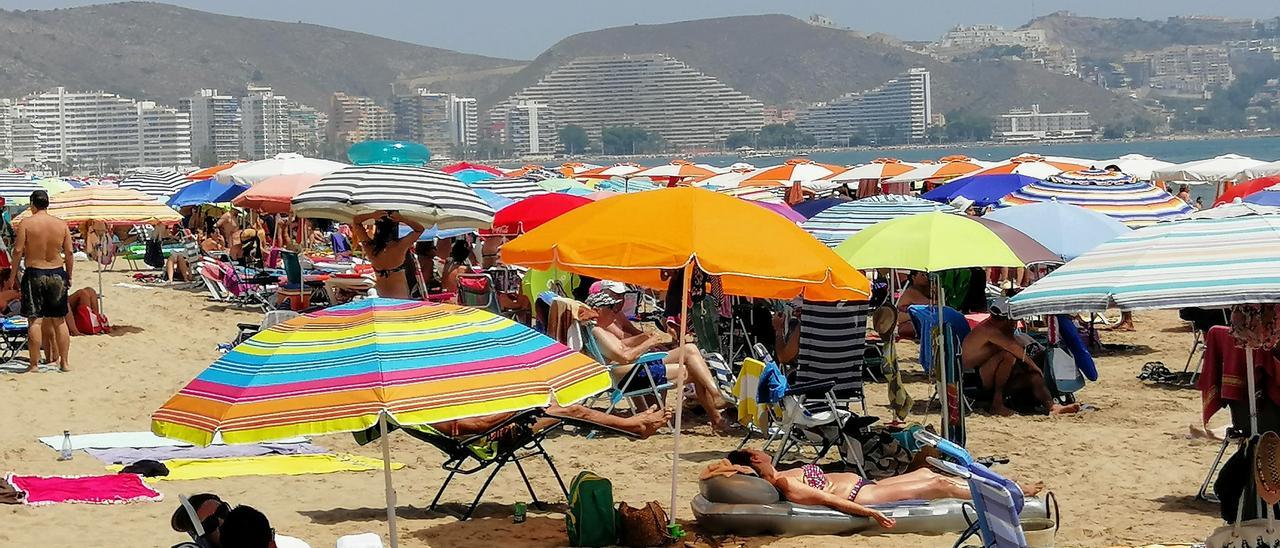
(1101, 38)
(781, 60)
(163, 52)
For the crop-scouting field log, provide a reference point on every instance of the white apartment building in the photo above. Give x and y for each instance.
(215, 126)
(896, 112)
(6, 129)
(1183, 70)
(437, 120)
(354, 119)
(649, 91)
(98, 130)
(308, 128)
(264, 123)
(530, 127)
(1033, 125)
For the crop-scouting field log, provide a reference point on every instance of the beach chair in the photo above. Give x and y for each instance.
(13, 337)
(635, 385)
(833, 343)
(248, 330)
(1200, 320)
(478, 291)
(997, 501)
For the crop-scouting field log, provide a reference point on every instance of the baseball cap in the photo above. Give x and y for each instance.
(616, 288)
(1000, 307)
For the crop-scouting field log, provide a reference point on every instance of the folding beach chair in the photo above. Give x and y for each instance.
(997, 501)
(1200, 320)
(13, 337)
(478, 291)
(248, 330)
(636, 385)
(833, 342)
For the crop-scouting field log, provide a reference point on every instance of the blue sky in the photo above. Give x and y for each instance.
(523, 28)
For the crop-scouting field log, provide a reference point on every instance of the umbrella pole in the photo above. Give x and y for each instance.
(675, 443)
(938, 349)
(386, 474)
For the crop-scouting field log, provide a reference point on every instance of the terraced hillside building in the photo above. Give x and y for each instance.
(649, 91)
(896, 112)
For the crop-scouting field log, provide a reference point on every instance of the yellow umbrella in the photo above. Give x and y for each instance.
(113, 206)
(754, 251)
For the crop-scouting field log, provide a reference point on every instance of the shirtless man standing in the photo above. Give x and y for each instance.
(1003, 364)
(229, 226)
(43, 251)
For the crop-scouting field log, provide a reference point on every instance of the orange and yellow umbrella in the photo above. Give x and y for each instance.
(111, 205)
(755, 252)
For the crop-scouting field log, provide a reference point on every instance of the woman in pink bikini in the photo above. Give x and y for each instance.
(849, 493)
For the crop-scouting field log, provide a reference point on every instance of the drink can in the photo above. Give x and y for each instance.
(518, 516)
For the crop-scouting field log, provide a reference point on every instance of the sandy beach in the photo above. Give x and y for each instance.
(1125, 474)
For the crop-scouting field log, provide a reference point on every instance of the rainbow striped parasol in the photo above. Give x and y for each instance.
(339, 369)
(1116, 195)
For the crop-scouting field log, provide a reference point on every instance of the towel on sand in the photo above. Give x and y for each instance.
(112, 489)
(130, 455)
(109, 440)
(269, 465)
(724, 468)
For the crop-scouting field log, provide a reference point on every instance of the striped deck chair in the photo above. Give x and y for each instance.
(997, 500)
(833, 341)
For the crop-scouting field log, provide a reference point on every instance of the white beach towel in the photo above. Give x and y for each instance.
(116, 440)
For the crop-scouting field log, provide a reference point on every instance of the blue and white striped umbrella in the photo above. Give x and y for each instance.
(838, 223)
(1204, 262)
(157, 183)
(514, 188)
(16, 187)
(425, 195)
(626, 185)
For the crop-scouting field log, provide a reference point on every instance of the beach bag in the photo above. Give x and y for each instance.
(591, 519)
(154, 254)
(89, 322)
(883, 456)
(1252, 533)
(643, 527)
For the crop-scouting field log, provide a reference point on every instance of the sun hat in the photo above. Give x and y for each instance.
(602, 299)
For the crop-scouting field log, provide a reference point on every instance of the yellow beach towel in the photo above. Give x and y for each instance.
(745, 390)
(267, 465)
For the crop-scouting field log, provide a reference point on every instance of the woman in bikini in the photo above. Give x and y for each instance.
(849, 493)
(387, 251)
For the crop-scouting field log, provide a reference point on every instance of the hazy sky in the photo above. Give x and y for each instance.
(523, 28)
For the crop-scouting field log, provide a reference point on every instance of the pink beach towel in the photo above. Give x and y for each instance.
(111, 489)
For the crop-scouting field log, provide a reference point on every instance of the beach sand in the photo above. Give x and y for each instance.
(1125, 474)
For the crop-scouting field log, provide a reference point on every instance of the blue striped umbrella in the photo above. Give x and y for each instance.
(512, 188)
(1204, 262)
(627, 186)
(1116, 195)
(838, 223)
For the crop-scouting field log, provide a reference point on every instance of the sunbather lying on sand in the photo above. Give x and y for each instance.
(848, 492)
(642, 424)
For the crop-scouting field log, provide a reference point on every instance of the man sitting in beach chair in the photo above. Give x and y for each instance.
(621, 342)
(1008, 367)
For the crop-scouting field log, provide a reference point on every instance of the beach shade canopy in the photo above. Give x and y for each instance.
(929, 242)
(945, 169)
(1033, 165)
(111, 205)
(338, 369)
(534, 211)
(275, 194)
(16, 187)
(562, 184)
(983, 190)
(393, 153)
(425, 195)
(791, 171)
(838, 223)
(512, 188)
(469, 173)
(809, 208)
(1212, 170)
(252, 173)
(1270, 169)
(157, 183)
(1119, 196)
(1246, 188)
(208, 191)
(781, 209)
(609, 172)
(1066, 230)
(676, 171)
(1202, 262)
(1136, 165)
(208, 172)
(755, 252)
(1028, 250)
(878, 170)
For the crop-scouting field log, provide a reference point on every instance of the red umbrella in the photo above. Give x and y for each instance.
(462, 166)
(1246, 188)
(531, 212)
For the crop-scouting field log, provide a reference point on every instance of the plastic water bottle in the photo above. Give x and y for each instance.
(65, 454)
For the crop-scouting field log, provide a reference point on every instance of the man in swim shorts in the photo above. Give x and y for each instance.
(1005, 366)
(42, 251)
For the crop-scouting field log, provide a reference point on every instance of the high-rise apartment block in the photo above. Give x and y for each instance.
(215, 126)
(308, 129)
(98, 130)
(354, 119)
(650, 91)
(896, 112)
(530, 127)
(439, 120)
(264, 123)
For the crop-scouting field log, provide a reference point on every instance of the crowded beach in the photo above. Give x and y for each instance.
(300, 352)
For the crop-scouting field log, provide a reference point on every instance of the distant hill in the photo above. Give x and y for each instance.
(1111, 38)
(163, 52)
(782, 60)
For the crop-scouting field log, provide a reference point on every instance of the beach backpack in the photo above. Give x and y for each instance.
(89, 322)
(592, 519)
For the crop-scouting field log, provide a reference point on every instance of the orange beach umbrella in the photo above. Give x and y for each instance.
(209, 172)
